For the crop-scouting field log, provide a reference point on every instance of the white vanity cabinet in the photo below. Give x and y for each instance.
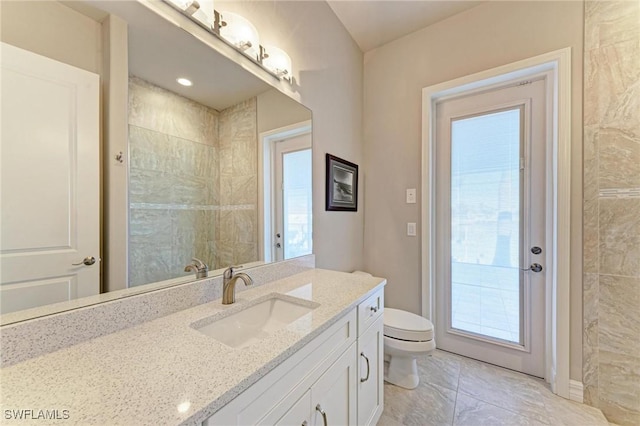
(324, 383)
(370, 359)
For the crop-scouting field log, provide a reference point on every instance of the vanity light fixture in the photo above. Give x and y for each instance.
(277, 61)
(239, 33)
(184, 81)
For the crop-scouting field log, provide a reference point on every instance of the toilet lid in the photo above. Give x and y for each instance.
(405, 325)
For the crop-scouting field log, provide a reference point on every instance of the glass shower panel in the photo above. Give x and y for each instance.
(486, 200)
(296, 175)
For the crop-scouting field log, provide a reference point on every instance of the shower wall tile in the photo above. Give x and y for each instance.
(619, 390)
(620, 236)
(244, 190)
(619, 323)
(611, 343)
(590, 236)
(619, 159)
(148, 263)
(246, 226)
(158, 109)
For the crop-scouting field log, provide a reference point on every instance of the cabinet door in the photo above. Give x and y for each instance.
(299, 414)
(333, 396)
(370, 374)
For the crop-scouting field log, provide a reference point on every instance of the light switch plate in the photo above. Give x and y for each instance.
(411, 229)
(411, 196)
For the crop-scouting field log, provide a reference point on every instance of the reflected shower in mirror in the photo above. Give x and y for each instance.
(218, 168)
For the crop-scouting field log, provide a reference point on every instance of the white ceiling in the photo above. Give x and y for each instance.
(373, 23)
(160, 52)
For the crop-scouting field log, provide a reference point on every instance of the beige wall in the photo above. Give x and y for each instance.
(53, 30)
(612, 209)
(481, 38)
(276, 111)
(327, 71)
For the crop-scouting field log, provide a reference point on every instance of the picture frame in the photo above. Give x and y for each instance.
(341, 185)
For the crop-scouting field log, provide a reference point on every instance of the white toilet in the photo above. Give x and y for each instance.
(406, 336)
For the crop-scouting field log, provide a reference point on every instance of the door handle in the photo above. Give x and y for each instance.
(324, 414)
(535, 267)
(87, 261)
(368, 370)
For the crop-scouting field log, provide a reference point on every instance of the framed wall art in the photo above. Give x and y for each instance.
(342, 185)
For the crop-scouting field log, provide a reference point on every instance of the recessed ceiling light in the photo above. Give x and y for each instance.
(184, 81)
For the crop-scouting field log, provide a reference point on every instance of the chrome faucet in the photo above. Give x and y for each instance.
(229, 284)
(197, 266)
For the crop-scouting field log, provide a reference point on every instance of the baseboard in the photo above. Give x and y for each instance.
(576, 391)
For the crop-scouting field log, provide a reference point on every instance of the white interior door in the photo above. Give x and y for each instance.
(490, 214)
(49, 181)
(293, 197)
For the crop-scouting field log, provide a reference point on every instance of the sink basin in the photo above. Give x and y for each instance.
(256, 321)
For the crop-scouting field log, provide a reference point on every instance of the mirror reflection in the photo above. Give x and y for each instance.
(218, 162)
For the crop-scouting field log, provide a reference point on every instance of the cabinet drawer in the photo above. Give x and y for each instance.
(370, 310)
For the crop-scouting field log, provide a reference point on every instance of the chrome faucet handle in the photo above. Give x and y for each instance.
(199, 263)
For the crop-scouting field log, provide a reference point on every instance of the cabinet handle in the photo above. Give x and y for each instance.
(366, 359)
(324, 415)
(374, 309)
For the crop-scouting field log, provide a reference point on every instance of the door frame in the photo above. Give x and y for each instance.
(557, 65)
(266, 175)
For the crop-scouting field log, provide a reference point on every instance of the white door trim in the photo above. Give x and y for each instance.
(265, 176)
(558, 64)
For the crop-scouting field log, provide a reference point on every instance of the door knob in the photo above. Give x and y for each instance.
(88, 261)
(278, 245)
(535, 267)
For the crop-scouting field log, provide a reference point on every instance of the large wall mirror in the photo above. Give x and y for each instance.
(218, 170)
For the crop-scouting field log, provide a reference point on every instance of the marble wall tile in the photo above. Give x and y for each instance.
(590, 338)
(619, 236)
(150, 226)
(619, 389)
(619, 315)
(619, 159)
(590, 236)
(246, 226)
(611, 22)
(226, 226)
(590, 160)
(591, 109)
(155, 108)
(244, 252)
(619, 86)
(244, 190)
(149, 262)
(612, 161)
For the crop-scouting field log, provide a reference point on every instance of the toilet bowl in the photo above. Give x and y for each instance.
(406, 336)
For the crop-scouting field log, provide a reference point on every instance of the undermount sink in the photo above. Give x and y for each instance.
(255, 321)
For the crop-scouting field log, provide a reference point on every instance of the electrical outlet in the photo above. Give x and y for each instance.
(411, 229)
(411, 196)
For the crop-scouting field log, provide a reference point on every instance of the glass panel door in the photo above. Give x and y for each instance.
(296, 182)
(486, 225)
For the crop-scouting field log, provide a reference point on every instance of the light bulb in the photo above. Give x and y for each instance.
(278, 62)
(241, 33)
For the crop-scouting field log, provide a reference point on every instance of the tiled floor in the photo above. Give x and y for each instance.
(455, 390)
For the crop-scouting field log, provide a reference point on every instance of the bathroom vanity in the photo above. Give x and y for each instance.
(309, 351)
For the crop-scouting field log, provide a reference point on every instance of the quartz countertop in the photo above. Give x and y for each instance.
(166, 372)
